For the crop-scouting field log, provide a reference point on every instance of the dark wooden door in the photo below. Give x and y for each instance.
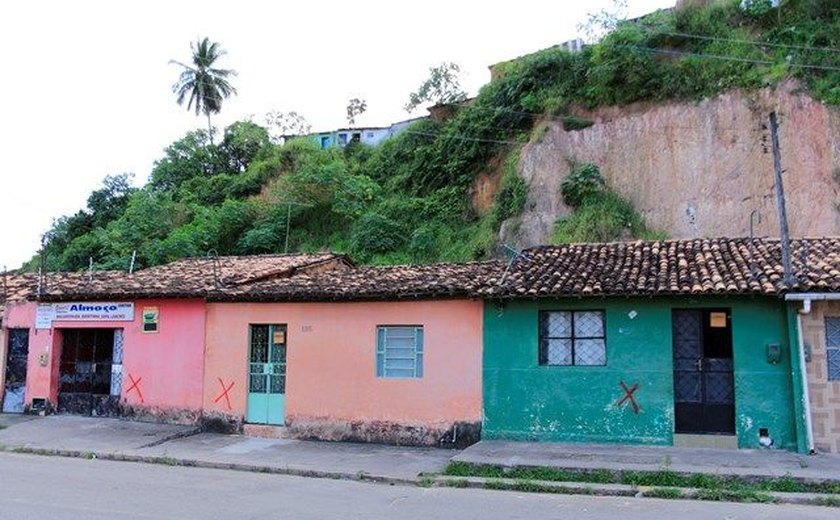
(704, 390)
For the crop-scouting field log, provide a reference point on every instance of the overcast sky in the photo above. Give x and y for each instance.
(86, 85)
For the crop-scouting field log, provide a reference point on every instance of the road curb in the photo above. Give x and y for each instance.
(442, 481)
(165, 460)
(623, 490)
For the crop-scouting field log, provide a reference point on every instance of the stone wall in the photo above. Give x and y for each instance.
(825, 394)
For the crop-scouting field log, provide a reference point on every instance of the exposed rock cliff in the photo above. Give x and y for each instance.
(695, 169)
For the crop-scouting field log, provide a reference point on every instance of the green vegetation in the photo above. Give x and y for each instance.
(665, 492)
(408, 199)
(599, 213)
(657, 479)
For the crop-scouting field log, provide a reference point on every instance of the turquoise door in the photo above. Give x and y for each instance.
(267, 374)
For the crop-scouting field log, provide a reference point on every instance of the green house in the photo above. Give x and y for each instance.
(664, 343)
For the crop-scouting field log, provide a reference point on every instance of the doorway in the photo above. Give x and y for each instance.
(85, 373)
(15, 385)
(267, 374)
(704, 389)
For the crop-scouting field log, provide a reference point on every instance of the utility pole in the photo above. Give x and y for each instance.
(780, 201)
(289, 219)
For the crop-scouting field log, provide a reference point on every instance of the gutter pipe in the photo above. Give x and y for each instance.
(806, 299)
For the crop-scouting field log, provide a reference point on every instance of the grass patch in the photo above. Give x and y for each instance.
(665, 492)
(734, 495)
(427, 481)
(716, 485)
(456, 482)
(527, 486)
(166, 460)
(464, 469)
(828, 501)
(572, 123)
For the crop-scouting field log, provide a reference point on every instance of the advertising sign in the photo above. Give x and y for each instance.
(94, 311)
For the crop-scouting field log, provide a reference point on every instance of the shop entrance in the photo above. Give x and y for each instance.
(87, 381)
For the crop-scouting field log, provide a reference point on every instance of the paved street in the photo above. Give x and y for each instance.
(35, 487)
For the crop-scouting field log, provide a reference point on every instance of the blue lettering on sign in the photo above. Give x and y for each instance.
(78, 307)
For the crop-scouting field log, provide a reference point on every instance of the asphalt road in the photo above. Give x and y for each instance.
(34, 487)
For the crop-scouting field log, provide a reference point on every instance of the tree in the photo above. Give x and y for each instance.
(282, 125)
(443, 86)
(201, 84)
(109, 202)
(191, 156)
(599, 23)
(286, 124)
(243, 142)
(355, 108)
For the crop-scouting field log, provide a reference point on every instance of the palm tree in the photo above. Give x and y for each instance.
(204, 86)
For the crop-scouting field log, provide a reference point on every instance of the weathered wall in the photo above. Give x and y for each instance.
(169, 364)
(824, 394)
(526, 401)
(332, 391)
(695, 169)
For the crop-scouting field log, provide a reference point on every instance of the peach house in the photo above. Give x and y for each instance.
(374, 354)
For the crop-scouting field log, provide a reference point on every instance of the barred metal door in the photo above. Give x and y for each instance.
(704, 393)
(87, 357)
(15, 386)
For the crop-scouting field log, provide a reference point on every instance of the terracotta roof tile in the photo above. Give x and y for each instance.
(701, 266)
(191, 277)
(370, 283)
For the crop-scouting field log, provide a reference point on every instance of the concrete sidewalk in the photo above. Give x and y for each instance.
(750, 464)
(185, 445)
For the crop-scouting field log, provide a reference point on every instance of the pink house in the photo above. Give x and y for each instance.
(111, 343)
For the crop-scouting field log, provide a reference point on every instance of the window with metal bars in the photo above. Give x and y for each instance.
(832, 347)
(399, 351)
(572, 338)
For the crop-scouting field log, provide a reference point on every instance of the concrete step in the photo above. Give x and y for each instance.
(266, 431)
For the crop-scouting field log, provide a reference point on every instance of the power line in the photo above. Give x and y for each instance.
(460, 137)
(543, 116)
(671, 52)
(748, 42)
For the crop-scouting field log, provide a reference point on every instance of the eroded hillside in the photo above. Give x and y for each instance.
(695, 168)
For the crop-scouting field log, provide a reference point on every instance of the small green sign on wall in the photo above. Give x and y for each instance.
(151, 319)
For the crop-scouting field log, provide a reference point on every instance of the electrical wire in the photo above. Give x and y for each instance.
(748, 42)
(672, 52)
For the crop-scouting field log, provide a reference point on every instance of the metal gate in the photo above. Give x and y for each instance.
(267, 374)
(15, 386)
(85, 386)
(704, 392)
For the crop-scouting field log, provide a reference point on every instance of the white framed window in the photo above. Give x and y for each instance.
(399, 351)
(573, 338)
(832, 347)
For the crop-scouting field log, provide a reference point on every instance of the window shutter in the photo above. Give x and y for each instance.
(418, 349)
(380, 351)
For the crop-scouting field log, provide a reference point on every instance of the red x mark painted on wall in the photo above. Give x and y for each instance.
(225, 393)
(628, 396)
(135, 385)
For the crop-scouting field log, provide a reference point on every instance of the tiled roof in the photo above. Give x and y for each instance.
(15, 287)
(701, 266)
(370, 283)
(191, 277)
